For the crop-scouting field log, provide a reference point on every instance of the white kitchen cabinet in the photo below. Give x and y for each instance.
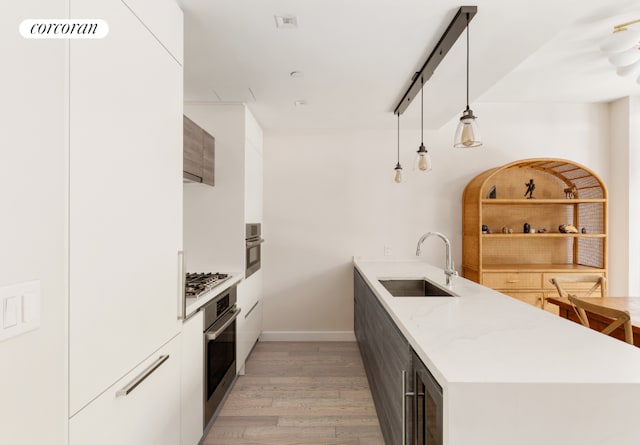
(191, 377)
(125, 200)
(249, 324)
(145, 416)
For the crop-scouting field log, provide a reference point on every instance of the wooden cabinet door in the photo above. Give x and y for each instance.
(208, 158)
(149, 414)
(125, 199)
(193, 153)
(386, 354)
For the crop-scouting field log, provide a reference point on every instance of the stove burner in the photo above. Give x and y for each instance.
(198, 283)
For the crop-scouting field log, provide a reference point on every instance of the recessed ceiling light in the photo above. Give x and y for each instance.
(296, 74)
(300, 103)
(286, 21)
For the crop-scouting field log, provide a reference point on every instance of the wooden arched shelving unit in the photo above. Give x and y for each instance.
(520, 264)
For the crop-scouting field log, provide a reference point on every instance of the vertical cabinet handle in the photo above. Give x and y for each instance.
(182, 301)
(405, 394)
(143, 375)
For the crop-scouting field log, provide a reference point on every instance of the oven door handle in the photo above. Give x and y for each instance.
(229, 318)
(251, 244)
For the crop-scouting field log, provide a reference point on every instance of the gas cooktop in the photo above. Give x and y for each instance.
(199, 283)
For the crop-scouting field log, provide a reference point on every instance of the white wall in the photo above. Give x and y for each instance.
(624, 189)
(329, 196)
(634, 196)
(33, 387)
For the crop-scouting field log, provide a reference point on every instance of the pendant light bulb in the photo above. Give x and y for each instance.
(398, 176)
(423, 159)
(467, 134)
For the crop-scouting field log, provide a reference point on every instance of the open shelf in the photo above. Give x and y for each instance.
(546, 267)
(543, 235)
(541, 201)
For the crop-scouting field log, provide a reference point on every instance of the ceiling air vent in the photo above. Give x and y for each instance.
(286, 21)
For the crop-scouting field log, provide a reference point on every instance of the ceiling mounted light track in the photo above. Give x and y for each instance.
(457, 26)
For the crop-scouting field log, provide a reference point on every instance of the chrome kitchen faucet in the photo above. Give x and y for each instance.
(449, 269)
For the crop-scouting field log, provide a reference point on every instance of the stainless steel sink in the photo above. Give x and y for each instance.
(414, 288)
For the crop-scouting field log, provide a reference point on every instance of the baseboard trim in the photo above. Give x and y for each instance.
(307, 336)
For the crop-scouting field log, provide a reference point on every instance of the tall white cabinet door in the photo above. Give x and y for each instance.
(192, 380)
(147, 415)
(125, 198)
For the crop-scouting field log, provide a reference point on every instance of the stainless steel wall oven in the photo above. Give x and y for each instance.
(219, 349)
(253, 242)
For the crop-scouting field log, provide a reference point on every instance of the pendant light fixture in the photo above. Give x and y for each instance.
(467, 133)
(423, 159)
(398, 169)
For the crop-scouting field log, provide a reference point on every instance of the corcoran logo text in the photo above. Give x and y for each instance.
(64, 28)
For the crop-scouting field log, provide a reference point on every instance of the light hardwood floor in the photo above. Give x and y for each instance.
(299, 394)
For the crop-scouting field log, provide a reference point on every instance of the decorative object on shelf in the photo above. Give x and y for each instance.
(467, 133)
(492, 192)
(572, 192)
(567, 228)
(542, 230)
(530, 188)
(623, 48)
(485, 229)
(583, 230)
(506, 229)
(532, 230)
(526, 228)
(398, 176)
(423, 159)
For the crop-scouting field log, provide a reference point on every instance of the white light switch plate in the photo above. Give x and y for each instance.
(19, 309)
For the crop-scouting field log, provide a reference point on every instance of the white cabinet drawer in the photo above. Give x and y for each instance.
(249, 329)
(148, 415)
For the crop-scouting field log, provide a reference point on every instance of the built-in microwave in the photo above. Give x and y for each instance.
(253, 248)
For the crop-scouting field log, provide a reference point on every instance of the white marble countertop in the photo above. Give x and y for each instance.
(484, 336)
(194, 304)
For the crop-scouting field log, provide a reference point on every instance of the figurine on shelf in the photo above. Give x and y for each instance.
(485, 229)
(567, 228)
(492, 192)
(526, 228)
(571, 192)
(530, 188)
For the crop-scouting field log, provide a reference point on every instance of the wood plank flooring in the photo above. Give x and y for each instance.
(299, 394)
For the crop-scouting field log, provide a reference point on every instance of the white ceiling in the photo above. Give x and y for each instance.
(357, 57)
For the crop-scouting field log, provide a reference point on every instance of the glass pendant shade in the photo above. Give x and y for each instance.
(467, 133)
(423, 159)
(621, 40)
(628, 70)
(398, 176)
(624, 58)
